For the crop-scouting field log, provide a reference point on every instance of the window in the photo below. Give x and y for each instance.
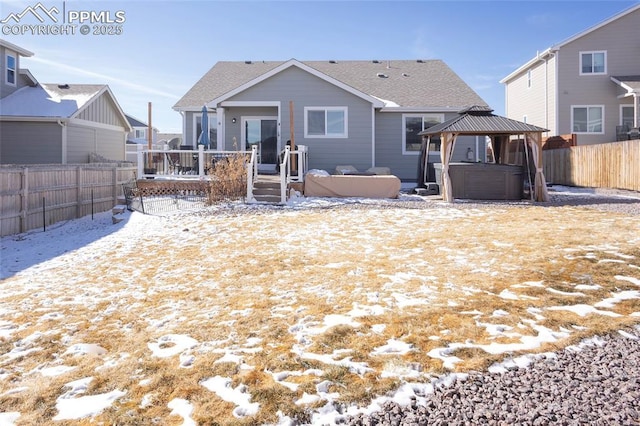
(592, 63)
(213, 130)
(11, 70)
(626, 116)
(141, 133)
(325, 122)
(587, 119)
(412, 124)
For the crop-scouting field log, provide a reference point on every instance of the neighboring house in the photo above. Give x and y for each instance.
(360, 113)
(139, 132)
(587, 84)
(55, 123)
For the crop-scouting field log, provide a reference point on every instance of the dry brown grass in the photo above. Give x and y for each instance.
(437, 275)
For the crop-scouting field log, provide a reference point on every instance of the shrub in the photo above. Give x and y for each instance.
(228, 179)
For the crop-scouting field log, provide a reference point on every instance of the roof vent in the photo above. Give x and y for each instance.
(63, 86)
(248, 62)
(404, 74)
(375, 61)
(382, 75)
(332, 62)
(420, 61)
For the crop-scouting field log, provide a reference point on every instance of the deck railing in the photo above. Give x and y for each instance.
(179, 163)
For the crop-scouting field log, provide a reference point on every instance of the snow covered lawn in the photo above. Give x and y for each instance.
(309, 312)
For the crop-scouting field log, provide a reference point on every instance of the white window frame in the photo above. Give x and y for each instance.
(138, 129)
(15, 69)
(592, 52)
(573, 108)
(622, 107)
(404, 130)
(343, 109)
(213, 122)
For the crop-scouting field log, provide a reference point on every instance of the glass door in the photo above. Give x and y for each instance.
(263, 132)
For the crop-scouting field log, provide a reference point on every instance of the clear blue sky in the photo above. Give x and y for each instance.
(166, 46)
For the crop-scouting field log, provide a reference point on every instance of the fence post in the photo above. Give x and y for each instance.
(78, 192)
(140, 161)
(24, 208)
(114, 190)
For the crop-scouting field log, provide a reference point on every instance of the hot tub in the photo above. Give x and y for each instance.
(483, 181)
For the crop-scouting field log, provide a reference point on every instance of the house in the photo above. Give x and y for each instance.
(588, 84)
(362, 113)
(139, 132)
(55, 123)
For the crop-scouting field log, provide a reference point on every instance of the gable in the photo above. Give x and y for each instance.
(104, 110)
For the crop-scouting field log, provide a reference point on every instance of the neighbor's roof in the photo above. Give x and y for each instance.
(134, 122)
(49, 100)
(479, 120)
(15, 48)
(55, 101)
(556, 47)
(396, 83)
(631, 83)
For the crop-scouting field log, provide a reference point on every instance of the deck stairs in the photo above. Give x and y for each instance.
(266, 189)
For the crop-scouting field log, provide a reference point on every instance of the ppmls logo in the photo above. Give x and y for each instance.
(51, 21)
(38, 11)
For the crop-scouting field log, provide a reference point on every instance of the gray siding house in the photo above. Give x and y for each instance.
(56, 123)
(588, 84)
(360, 113)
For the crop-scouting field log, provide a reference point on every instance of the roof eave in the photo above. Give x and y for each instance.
(23, 52)
(538, 58)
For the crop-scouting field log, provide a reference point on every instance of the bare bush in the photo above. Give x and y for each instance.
(228, 179)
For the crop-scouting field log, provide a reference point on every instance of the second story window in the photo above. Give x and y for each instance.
(593, 63)
(141, 133)
(11, 70)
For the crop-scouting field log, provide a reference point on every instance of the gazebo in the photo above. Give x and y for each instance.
(480, 121)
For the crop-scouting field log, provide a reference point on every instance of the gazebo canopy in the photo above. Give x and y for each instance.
(480, 121)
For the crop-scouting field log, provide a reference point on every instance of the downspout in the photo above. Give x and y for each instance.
(373, 135)
(64, 140)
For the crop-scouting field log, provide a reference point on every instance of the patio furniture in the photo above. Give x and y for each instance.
(622, 133)
(634, 133)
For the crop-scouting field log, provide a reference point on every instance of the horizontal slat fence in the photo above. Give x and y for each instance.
(610, 165)
(38, 196)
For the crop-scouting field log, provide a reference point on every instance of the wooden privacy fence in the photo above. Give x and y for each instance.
(610, 165)
(37, 196)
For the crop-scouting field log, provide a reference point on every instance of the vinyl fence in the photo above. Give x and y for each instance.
(610, 165)
(37, 196)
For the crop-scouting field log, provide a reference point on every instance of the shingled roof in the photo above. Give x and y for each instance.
(479, 120)
(398, 83)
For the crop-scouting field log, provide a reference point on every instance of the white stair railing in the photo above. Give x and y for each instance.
(284, 175)
(252, 173)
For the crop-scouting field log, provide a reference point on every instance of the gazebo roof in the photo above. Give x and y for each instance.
(479, 120)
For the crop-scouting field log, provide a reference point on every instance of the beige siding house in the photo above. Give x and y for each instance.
(588, 84)
(56, 123)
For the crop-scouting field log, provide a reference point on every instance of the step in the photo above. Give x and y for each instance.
(119, 209)
(271, 199)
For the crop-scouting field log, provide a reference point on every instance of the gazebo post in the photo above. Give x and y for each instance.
(448, 143)
(534, 139)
